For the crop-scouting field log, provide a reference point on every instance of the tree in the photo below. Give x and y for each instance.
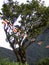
(34, 19)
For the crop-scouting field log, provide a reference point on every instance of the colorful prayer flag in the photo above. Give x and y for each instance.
(6, 20)
(15, 30)
(3, 22)
(1, 15)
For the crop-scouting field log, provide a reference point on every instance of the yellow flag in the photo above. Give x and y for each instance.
(1, 15)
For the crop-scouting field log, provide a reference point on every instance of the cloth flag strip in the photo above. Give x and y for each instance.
(10, 25)
(15, 30)
(5, 21)
(1, 15)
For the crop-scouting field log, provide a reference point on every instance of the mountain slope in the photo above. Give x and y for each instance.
(35, 52)
(6, 53)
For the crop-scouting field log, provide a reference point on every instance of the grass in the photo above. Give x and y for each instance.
(7, 62)
(44, 61)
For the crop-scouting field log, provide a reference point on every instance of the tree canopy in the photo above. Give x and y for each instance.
(33, 14)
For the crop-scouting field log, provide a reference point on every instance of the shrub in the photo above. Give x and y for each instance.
(44, 61)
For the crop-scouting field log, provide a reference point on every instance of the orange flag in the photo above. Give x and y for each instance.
(15, 30)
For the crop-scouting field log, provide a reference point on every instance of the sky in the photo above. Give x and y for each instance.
(3, 42)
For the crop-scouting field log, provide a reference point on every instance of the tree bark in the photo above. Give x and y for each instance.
(17, 55)
(22, 54)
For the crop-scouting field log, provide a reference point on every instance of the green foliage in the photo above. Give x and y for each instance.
(12, 8)
(44, 61)
(7, 62)
(30, 12)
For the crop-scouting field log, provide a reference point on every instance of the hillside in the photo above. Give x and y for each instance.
(6, 53)
(34, 52)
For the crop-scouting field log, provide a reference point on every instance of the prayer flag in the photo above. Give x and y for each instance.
(1, 15)
(15, 30)
(3, 22)
(6, 20)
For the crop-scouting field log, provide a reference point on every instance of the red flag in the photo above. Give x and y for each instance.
(3, 22)
(6, 20)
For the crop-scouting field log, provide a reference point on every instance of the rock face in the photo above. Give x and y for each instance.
(34, 52)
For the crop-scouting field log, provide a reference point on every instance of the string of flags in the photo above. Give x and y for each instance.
(5, 21)
(10, 24)
(10, 28)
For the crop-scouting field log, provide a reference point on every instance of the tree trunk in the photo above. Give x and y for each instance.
(20, 55)
(17, 55)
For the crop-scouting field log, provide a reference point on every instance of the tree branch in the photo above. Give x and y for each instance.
(28, 43)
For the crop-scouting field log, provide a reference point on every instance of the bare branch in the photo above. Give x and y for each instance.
(28, 43)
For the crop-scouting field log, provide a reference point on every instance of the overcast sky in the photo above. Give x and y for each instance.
(3, 43)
